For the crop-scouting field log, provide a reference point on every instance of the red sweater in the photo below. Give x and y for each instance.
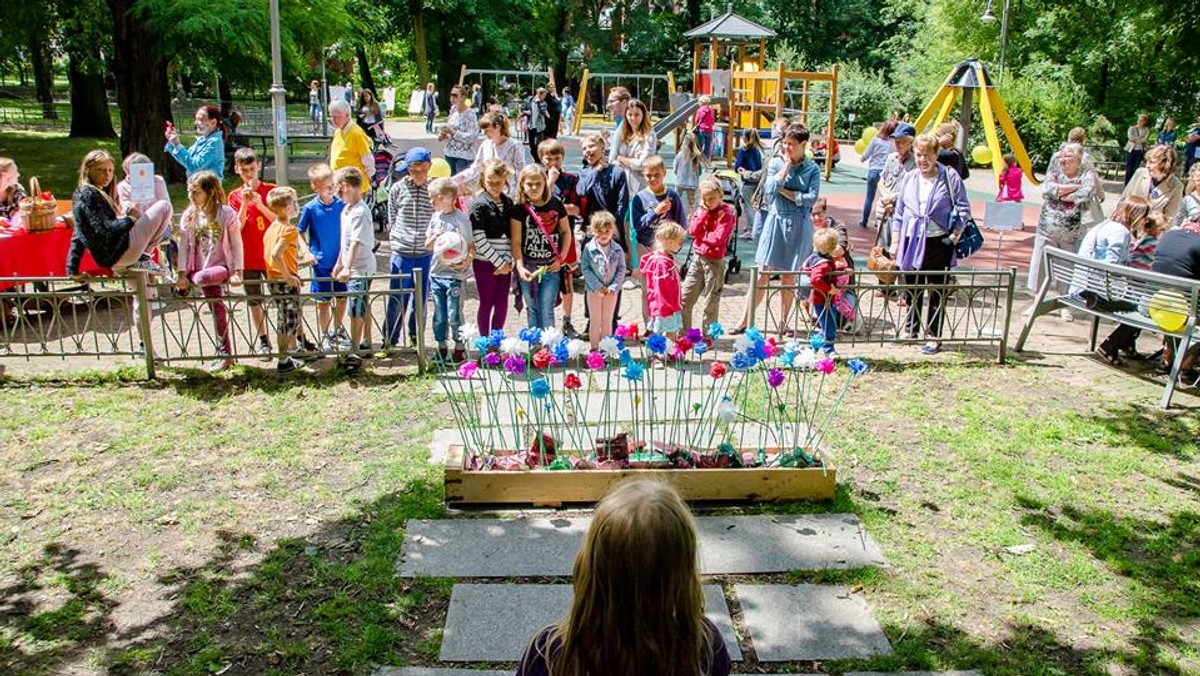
(821, 277)
(662, 284)
(254, 229)
(711, 231)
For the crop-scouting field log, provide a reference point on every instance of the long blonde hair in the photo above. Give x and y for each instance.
(528, 171)
(91, 161)
(1193, 178)
(638, 606)
(691, 152)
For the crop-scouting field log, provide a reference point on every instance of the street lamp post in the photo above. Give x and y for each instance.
(990, 18)
(278, 100)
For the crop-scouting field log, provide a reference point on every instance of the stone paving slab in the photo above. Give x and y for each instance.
(809, 622)
(546, 547)
(495, 622)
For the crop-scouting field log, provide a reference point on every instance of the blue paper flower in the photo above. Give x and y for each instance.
(857, 366)
(530, 335)
(754, 333)
(788, 359)
(758, 349)
(626, 357)
(482, 343)
(634, 371)
(715, 330)
(539, 389)
(742, 361)
(816, 341)
(495, 338)
(562, 354)
(657, 343)
(700, 348)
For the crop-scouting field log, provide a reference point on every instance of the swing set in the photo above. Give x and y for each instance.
(505, 86)
(653, 90)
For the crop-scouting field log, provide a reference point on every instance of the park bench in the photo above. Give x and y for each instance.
(1119, 294)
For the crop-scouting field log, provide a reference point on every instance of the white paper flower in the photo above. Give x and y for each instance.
(726, 410)
(511, 346)
(806, 358)
(577, 348)
(670, 347)
(610, 347)
(467, 333)
(551, 337)
(742, 343)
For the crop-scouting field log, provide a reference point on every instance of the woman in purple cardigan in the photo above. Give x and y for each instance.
(924, 236)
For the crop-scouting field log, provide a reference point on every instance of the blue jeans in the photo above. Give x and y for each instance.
(447, 309)
(458, 164)
(541, 308)
(1133, 160)
(398, 303)
(704, 140)
(872, 184)
(827, 321)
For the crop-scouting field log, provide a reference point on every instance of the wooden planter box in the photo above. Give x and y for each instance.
(556, 488)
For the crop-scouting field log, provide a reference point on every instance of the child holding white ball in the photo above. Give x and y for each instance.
(449, 236)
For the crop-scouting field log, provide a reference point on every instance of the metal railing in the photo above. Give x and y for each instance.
(976, 307)
(104, 317)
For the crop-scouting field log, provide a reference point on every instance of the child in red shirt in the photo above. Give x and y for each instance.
(711, 226)
(825, 278)
(661, 275)
(250, 203)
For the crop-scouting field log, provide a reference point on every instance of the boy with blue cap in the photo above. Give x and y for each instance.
(409, 211)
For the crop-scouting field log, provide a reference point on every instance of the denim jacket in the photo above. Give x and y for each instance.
(206, 154)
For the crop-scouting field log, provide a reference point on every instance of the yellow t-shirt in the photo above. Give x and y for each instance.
(348, 148)
(282, 231)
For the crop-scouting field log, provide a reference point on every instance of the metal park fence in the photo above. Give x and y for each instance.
(976, 307)
(52, 317)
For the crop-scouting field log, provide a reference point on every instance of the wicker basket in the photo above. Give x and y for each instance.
(37, 214)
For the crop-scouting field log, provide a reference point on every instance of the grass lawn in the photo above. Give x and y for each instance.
(248, 524)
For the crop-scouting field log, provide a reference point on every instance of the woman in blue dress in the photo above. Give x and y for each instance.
(792, 185)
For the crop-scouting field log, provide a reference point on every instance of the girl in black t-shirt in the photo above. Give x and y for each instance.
(541, 238)
(491, 212)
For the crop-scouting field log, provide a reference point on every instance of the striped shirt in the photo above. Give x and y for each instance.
(491, 227)
(409, 211)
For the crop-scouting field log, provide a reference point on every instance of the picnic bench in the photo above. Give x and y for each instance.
(1120, 294)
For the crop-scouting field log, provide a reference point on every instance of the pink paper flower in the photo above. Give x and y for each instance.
(595, 361)
(467, 370)
(825, 366)
(622, 331)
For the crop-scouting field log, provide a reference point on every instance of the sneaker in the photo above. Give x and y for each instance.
(307, 345)
(219, 364)
(327, 343)
(264, 349)
(145, 264)
(1066, 315)
(568, 330)
(629, 285)
(287, 365)
(364, 346)
(341, 338)
(352, 363)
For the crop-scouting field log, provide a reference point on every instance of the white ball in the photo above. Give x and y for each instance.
(450, 248)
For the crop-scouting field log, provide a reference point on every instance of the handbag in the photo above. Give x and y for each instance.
(880, 260)
(971, 239)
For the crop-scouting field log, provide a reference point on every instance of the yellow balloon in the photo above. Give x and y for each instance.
(982, 155)
(1168, 310)
(869, 133)
(860, 145)
(440, 168)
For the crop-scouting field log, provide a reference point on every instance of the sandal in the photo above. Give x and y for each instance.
(736, 331)
(1111, 358)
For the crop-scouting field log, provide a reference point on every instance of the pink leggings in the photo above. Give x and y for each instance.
(601, 309)
(146, 233)
(210, 280)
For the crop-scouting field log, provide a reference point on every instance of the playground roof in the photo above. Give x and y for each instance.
(964, 75)
(730, 26)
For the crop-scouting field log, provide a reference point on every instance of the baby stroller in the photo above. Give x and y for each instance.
(386, 154)
(731, 187)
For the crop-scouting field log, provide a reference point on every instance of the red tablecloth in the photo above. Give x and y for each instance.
(39, 254)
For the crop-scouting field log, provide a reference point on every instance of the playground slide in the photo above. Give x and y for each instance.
(683, 113)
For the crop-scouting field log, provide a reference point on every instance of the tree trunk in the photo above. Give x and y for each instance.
(90, 117)
(43, 74)
(693, 14)
(562, 47)
(224, 93)
(1102, 93)
(143, 91)
(417, 8)
(364, 70)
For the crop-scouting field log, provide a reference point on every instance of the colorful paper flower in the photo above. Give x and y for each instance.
(625, 357)
(742, 343)
(562, 352)
(531, 334)
(467, 333)
(816, 341)
(492, 359)
(788, 359)
(539, 389)
(572, 382)
(551, 337)
(769, 350)
(634, 333)
(726, 410)
(622, 331)
(482, 344)
(595, 361)
(774, 378)
(684, 345)
(742, 361)
(657, 343)
(495, 338)
(717, 370)
(700, 348)
(577, 348)
(511, 345)
(610, 347)
(467, 370)
(634, 372)
(715, 330)
(694, 335)
(857, 366)
(514, 365)
(541, 359)
(825, 366)
(754, 333)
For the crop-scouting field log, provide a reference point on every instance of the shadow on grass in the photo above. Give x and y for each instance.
(328, 603)
(1173, 433)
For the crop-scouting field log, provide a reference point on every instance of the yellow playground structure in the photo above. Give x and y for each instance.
(754, 95)
(965, 80)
